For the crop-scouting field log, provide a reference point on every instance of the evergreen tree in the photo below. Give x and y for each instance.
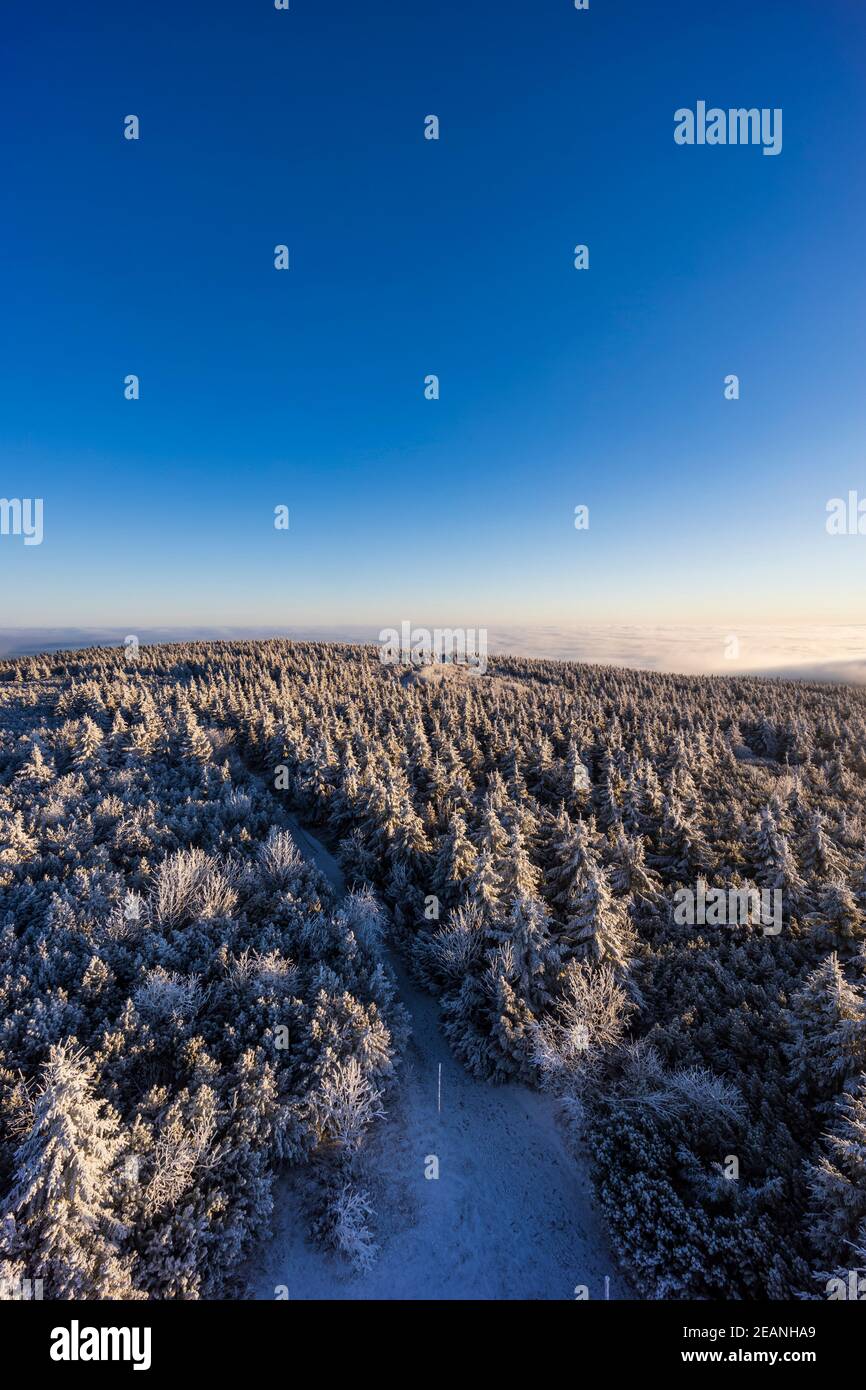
(576, 786)
(683, 854)
(533, 956)
(827, 1020)
(455, 859)
(484, 885)
(597, 928)
(571, 853)
(61, 1201)
(772, 860)
(819, 857)
(837, 1183)
(519, 874)
(193, 743)
(838, 918)
(88, 743)
(629, 873)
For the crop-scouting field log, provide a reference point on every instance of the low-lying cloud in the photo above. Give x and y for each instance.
(832, 653)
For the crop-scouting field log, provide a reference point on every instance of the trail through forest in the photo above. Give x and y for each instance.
(511, 1214)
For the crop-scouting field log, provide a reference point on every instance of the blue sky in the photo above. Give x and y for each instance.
(411, 257)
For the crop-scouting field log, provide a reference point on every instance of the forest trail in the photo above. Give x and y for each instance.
(511, 1215)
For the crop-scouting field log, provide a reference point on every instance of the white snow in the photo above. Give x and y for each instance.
(511, 1215)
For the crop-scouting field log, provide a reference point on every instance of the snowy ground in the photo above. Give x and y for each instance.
(511, 1214)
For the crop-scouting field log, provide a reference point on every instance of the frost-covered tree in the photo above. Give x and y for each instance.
(88, 743)
(534, 956)
(837, 1185)
(455, 859)
(587, 1020)
(772, 858)
(192, 741)
(61, 1204)
(484, 885)
(597, 928)
(345, 1105)
(520, 877)
(838, 918)
(444, 957)
(819, 857)
(828, 1034)
(683, 850)
(571, 853)
(630, 875)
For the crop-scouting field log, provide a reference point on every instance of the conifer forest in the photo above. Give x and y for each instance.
(188, 1008)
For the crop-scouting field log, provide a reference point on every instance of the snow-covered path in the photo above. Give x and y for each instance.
(511, 1214)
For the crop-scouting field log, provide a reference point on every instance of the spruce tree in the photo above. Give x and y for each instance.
(597, 928)
(61, 1200)
(827, 1018)
(837, 1185)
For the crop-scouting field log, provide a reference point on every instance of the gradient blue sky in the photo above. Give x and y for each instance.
(410, 257)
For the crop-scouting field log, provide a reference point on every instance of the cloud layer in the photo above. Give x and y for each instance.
(806, 653)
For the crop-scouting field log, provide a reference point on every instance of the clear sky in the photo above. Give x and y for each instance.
(408, 257)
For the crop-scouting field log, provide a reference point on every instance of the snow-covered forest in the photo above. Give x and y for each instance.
(185, 1006)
